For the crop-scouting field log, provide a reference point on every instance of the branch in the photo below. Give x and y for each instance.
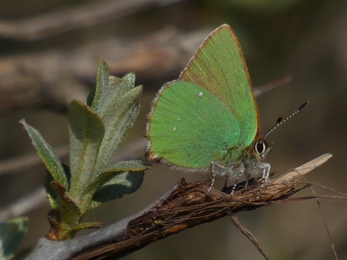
(184, 206)
(87, 15)
(46, 76)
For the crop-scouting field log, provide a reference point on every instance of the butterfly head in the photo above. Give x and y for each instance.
(262, 148)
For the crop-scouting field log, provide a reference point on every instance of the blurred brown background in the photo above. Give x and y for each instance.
(49, 52)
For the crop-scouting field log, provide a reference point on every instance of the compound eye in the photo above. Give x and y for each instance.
(260, 147)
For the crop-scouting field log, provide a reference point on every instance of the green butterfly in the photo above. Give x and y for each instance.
(207, 120)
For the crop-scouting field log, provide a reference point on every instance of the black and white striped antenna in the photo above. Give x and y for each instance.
(280, 120)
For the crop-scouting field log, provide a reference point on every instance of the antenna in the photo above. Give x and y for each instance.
(280, 120)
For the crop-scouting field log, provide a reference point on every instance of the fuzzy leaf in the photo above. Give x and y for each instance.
(129, 79)
(118, 120)
(117, 187)
(125, 166)
(86, 132)
(47, 154)
(65, 204)
(115, 91)
(101, 87)
(130, 182)
(11, 234)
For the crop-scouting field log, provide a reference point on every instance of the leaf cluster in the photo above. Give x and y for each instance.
(96, 130)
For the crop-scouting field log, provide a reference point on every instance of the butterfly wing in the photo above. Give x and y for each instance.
(189, 127)
(219, 67)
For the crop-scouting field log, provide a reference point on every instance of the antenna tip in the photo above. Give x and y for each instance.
(303, 105)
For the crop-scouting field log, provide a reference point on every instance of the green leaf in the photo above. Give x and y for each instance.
(129, 79)
(109, 89)
(67, 206)
(11, 234)
(118, 121)
(47, 154)
(86, 132)
(125, 166)
(124, 177)
(117, 187)
(121, 184)
(101, 86)
(116, 89)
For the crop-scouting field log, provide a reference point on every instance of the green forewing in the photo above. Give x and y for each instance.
(219, 67)
(190, 127)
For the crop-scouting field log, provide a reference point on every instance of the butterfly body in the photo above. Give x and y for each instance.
(207, 120)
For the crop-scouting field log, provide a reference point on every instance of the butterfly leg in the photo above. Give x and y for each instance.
(238, 176)
(212, 181)
(217, 170)
(235, 183)
(266, 172)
